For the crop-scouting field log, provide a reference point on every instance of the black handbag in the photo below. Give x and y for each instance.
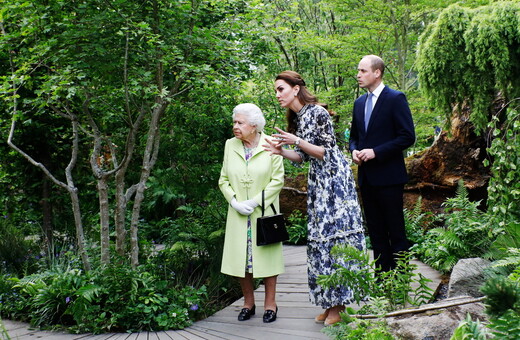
(270, 229)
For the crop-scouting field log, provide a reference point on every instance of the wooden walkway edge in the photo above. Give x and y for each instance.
(295, 316)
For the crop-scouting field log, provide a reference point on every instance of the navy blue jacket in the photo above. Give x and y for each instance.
(389, 133)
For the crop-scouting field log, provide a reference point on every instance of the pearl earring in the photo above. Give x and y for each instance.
(295, 94)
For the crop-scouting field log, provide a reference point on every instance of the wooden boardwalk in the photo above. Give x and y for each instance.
(295, 316)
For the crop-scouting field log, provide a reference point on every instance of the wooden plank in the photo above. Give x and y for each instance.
(142, 336)
(259, 330)
(206, 334)
(174, 335)
(217, 333)
(186, 335)
(104, 336)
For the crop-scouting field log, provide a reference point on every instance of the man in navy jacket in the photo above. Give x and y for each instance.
(382, 128)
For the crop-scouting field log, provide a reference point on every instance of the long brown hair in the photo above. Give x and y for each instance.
(292, 78)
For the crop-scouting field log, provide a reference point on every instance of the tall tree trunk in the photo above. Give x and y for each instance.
(120, 213)
(104, 219)
(149, 159)
(80, 235)
(69, 186)
(47, 213)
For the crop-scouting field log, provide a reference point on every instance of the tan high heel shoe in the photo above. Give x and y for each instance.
(336, 317)
(322, 317)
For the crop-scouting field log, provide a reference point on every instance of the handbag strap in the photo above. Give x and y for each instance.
(272, 205)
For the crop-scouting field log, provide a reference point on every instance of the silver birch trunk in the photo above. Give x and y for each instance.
(69, 185)
(104, 219)
(149, 159)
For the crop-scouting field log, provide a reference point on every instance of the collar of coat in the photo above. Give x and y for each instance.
(238, 146)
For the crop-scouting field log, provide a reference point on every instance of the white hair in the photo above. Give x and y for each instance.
(253, 114)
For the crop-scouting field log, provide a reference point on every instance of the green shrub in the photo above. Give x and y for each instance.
(418, 222)
(17, 255)
(382, 291)
(502, 295)
(466, 233)
(193, 252)
(507, 326)
(114, 298)
(469, 329)
(367, 280)
(356, 329)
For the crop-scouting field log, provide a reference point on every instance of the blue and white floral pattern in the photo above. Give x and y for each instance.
(334, 213)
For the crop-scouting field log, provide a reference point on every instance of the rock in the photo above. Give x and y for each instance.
(294, 195)
(435, 324)
(467, 277)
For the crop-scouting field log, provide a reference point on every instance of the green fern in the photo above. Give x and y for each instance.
(502, 295)
(471, 330)
(513, 259)
(417, 222)
(466, 233)
(507, 326)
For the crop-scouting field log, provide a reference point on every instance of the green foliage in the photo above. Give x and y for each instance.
(469, 56)
(194, 243)
(510, 261)
(114, 298)
(297, 228)
(383, 292)
(504, 185)
(366, 280)
(501, 295)
(140, 68)
(418, 222)
(17, 255)
(465, 234)
(469, 329)
(503, 305)
(351, 328)
(507, 326)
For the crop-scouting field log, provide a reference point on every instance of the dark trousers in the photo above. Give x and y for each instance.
(383, 207)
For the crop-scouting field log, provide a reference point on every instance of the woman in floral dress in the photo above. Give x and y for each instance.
(334, 213)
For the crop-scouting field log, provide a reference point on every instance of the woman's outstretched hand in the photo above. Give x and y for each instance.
(284, 138)
(273, 147)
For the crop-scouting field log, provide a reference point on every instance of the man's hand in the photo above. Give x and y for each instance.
(355, 157)
(359, 157)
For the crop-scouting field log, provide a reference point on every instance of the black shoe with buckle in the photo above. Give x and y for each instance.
(246, 313)
(270, 315)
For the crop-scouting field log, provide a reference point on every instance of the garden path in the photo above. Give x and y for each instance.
(295, 317)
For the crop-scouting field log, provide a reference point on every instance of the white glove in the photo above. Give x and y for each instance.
(241, 207)
(251, 203)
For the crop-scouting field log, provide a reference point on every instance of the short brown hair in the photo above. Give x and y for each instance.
(376, 63)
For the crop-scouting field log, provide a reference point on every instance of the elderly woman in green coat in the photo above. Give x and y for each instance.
(247, 170)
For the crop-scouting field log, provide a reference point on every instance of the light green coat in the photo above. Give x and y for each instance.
(246, 180)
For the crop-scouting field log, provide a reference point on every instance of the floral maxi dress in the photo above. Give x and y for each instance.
(334, 213)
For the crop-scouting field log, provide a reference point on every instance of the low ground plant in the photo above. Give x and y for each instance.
(113, 298)
(466, 233)
(17, 254)
(418, 222)
(382, 292)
